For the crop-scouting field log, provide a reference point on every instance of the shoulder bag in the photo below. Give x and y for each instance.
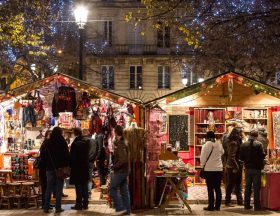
(62, 172)
(202, 171)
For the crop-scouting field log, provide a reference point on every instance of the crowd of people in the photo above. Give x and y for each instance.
(226, 162)
(57, 159)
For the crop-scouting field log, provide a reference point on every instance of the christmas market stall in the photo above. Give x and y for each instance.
(27, 112)
(180, 120)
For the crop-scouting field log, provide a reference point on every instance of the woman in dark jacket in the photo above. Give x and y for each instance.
(42, 169)
(79, 163)
(234, 167)
(55, 155)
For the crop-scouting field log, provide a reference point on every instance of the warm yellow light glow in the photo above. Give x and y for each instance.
(81, 14)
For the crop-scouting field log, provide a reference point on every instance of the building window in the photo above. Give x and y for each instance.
(108, 32)
(107, 77)
(163, 36)
(135, 73)
(163, 77)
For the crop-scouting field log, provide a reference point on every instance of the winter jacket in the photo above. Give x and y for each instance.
(101, 153)
(251, 152)
(120, 156)
(64, 101)
(56, 154)
(233, 158)
(79, 160)
(214, 162)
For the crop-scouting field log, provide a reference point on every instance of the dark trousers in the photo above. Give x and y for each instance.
(53, 182)
(234, 181)
(43, 182)
(213, 181)
(81, 194)
(102, 172)
(252, 178)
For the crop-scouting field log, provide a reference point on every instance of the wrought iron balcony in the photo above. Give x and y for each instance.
(144, 49)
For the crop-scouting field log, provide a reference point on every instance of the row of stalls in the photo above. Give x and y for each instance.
(178, 121)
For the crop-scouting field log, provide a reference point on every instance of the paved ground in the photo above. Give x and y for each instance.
(102, 209)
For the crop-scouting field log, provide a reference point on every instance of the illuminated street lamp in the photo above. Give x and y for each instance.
(81, 18)
(185, 81)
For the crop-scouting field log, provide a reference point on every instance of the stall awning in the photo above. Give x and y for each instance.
(50, 84)
(205, 87)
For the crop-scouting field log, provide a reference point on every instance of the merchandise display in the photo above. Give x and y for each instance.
(61, 101)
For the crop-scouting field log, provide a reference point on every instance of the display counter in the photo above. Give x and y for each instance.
(270, 190)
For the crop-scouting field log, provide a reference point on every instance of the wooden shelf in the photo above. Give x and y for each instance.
(208, 123)
(206, 133)
(200, 124)
(254, 118)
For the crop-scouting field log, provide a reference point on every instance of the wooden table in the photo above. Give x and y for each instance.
(177, 188)
(6, 174)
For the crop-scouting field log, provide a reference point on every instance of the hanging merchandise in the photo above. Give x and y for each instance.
(38, 106)
(64, 101)
(83, 108)
(29, 116)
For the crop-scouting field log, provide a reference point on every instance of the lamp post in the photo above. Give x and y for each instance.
(81, 18)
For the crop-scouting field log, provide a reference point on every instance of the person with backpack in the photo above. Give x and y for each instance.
(253, 155)
(79, 163)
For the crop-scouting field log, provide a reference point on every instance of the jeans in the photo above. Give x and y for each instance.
(89, 186)
(234, 181)
(101, 172)
(122, 201)
(213, 181)
(53, 182)
(252, 178)
(81, 194)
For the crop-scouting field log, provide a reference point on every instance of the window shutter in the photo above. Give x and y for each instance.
(132, 77)
(104, 77)
(160, 77)
(167, 77)
(111, 78)
(139, 77)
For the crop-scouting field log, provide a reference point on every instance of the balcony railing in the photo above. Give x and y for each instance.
(145, 49)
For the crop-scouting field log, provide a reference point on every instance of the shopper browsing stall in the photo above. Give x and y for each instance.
(56, 156)
(79, 163)
(211, 160)
(234, 167)
(252, 154)
(121, 172)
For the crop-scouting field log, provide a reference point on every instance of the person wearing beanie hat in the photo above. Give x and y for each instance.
(251, 152)
(263, 139)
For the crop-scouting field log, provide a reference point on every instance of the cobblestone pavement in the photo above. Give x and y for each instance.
(102, 209)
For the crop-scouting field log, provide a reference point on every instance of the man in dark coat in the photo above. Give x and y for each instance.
(92, 157)
(79, 163)
(252, 154)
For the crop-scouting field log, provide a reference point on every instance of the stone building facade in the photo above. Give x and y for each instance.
(139, 61)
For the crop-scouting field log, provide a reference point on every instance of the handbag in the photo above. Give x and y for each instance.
(62, 172)
(37, 163)
(202, 171)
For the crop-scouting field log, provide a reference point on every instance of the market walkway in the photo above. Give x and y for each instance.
(103, 209)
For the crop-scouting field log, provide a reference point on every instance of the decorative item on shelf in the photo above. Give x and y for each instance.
(65, 119)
